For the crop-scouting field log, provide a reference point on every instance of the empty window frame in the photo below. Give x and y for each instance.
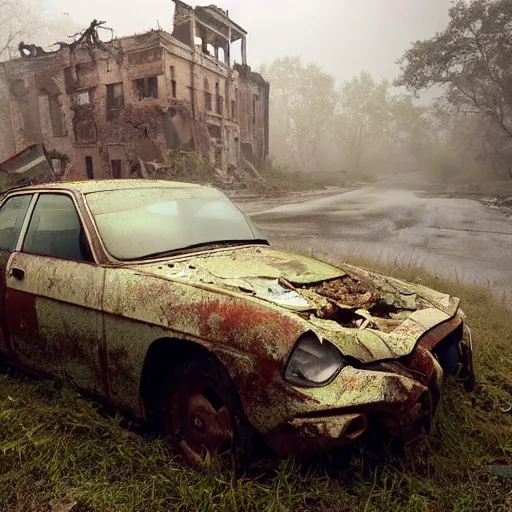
(146, 87)
(254, 108)
(218, 99)
(57, 117)
(89, 168)
(173, 82)
(207, 96)
(117, 168)
(83, 98)
(115, 100)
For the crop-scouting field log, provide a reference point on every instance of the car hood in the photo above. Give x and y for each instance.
(367, 315)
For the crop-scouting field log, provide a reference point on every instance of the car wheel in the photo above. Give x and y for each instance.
(203, 417)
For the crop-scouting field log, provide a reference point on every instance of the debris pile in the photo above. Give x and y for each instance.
(357, 303)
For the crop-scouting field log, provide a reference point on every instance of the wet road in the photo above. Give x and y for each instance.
(456, 238)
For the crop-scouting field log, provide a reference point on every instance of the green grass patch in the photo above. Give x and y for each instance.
(56, 449)
(279, 181)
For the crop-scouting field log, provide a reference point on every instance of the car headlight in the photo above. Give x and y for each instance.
(313, 362)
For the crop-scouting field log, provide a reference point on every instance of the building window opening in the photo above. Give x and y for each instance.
(218, 99)
(146, 87)
(207, 96)
(116, 169)
(173, 82)
(57, 166)
(254, 107)
(115, 100)
(89, 167)
(215, 132)
(237, 149)
(210, 50)
(218, 158)
(57, 117)
(222, 54)
(83, 98)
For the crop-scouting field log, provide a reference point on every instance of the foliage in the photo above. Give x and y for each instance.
(472, 61)
(280, 180)
(316, 126)
(366, 127)
(303, 99)
(56, 447)
(378, 125)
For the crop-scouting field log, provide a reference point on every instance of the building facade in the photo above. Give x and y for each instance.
(103, 109)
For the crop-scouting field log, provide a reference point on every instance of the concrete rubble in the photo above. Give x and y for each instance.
(160, 104)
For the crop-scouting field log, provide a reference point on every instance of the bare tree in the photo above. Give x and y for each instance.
(22, 21)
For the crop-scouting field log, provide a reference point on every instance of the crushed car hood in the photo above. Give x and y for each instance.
(368, 316)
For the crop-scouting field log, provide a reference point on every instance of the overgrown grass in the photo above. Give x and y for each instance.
(279, 181)
(276, 180)
(474, 190)
(55, 448)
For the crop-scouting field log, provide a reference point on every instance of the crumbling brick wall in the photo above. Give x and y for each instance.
(140, 97)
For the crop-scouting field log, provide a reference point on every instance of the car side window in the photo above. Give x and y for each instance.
(55, 230)
(12, 214)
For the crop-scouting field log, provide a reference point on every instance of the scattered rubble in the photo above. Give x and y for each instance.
(141, 104)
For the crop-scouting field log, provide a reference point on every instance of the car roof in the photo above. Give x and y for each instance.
(86, 187)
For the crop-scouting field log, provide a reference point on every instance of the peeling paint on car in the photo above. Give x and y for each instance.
(94, 325)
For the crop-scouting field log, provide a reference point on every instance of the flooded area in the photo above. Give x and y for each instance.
(454, 238)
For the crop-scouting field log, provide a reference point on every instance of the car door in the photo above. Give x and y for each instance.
(54, 297)
(12, 215)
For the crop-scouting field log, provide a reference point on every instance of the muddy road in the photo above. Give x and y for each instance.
(455, 238)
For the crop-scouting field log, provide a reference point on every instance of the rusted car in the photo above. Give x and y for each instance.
(165, 300)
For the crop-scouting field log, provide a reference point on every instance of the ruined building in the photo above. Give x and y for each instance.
(106, 109)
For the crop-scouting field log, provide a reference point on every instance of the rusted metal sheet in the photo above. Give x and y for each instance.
(310, 434)
(26, 167)
(54, 318)
(430, 339)
(251, 338)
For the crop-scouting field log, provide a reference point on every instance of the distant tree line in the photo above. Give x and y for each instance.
(365, 126)
(358, 127)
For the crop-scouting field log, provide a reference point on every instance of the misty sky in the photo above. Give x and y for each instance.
(343, 36)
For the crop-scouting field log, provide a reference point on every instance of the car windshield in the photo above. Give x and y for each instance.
(150, 222)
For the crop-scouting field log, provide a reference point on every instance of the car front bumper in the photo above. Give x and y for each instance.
(399, 397)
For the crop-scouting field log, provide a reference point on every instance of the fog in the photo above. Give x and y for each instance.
(342, 36)
(331, 64)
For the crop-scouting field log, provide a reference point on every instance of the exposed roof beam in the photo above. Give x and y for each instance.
(214, 13)
(215, 31)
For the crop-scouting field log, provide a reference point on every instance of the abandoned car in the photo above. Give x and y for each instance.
(165, 300)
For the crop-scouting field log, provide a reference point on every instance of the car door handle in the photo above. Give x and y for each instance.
(17, 273)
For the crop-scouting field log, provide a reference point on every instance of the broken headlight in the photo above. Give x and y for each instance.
(313, 362)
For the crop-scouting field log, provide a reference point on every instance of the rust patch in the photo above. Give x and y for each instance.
(303, 435)
(118, 361)
(430, 339)
(348, 292)
(22, 326)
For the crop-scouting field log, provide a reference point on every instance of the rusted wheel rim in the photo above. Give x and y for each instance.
(201, 421)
